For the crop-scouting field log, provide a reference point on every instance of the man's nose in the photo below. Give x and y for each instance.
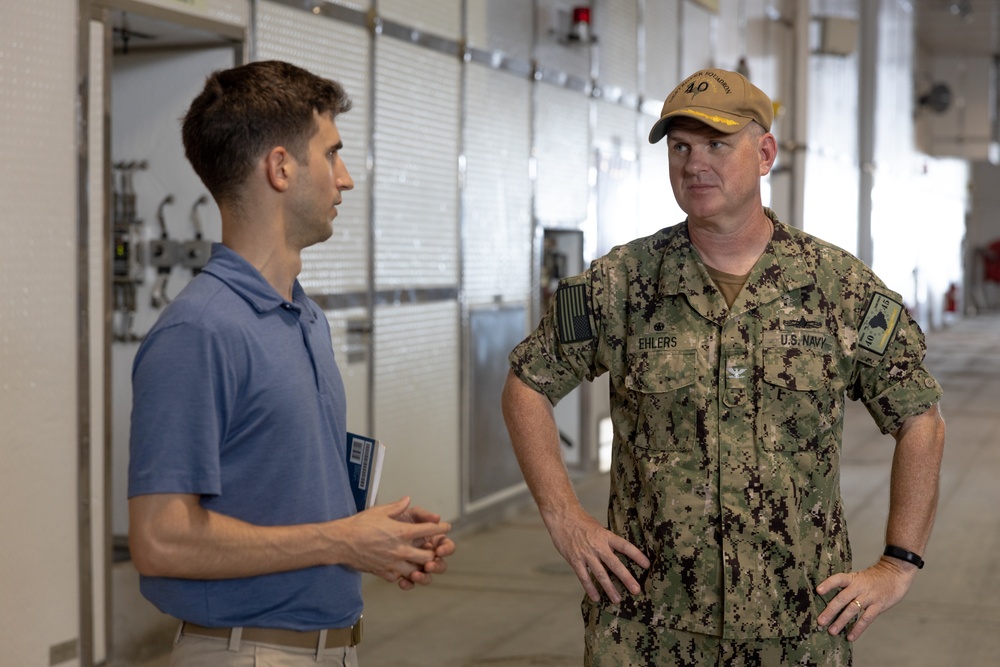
(342, 177)
(696, 161)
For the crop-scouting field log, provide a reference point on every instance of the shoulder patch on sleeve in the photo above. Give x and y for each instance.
(879, 323)
(573, 314)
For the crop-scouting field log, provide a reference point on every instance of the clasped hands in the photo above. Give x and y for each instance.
(403, 544)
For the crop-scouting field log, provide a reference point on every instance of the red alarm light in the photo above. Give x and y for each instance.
(580, 32)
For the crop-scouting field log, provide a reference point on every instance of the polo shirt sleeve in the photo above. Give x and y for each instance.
(890, 377)
(182, 393)
(564, 349)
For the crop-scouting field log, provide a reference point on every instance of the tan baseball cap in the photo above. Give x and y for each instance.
(721, 99)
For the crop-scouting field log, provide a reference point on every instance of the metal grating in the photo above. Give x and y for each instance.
(562, 145)
(417, 403)
(438, 17)
(416, 173)
(338, 51)
(497, 230)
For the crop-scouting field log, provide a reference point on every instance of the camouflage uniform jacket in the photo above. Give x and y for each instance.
(728, 422)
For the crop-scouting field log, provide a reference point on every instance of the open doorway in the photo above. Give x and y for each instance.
(156, 224)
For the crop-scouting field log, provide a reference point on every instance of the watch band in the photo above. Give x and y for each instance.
(903, 554)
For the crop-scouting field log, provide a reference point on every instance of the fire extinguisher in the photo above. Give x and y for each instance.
(951, 298)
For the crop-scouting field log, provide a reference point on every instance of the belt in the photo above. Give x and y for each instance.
(310, 639)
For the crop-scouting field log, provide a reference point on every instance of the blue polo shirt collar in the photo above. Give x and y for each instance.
(244, 279)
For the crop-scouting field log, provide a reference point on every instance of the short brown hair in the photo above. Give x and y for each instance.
(245, 111)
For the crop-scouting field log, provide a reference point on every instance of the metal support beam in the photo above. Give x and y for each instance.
(867, 58)
(799, 120)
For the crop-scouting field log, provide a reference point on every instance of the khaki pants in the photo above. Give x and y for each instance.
(193, 651)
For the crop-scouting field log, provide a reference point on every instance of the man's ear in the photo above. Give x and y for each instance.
(768, 151)
(279, 166)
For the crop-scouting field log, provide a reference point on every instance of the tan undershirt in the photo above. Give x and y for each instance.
(728, 283)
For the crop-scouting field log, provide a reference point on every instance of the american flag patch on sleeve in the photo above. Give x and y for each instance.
(573, 314)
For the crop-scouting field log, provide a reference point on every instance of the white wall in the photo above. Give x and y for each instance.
(38, 331)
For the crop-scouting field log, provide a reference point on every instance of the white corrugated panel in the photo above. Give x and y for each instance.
(39, 561)
(616, 25)
(416, 172)
(339, 51)
(497, 238)
(657, 206)
(616, 126)
(501, 25)
(730, 37)
(438, 17)
(662, 68)
(697, 47)
(562, 145)
(417, 403)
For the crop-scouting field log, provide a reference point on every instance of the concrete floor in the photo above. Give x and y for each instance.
(509, 600)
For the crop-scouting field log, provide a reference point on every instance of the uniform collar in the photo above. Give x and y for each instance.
(241, 277)
(779, 270)
(794, 255)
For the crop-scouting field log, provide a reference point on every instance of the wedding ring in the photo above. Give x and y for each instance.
(861, 609)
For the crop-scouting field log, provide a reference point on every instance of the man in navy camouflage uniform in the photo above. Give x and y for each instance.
(732, 341)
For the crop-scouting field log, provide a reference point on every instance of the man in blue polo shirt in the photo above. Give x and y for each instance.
(242, 522)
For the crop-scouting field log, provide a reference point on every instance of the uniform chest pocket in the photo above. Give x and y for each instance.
(799, 402)
(662, 386)
(794, 369)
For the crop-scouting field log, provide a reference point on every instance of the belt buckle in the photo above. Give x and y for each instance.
(357, 632)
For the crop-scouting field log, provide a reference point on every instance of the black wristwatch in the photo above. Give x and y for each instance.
(903, 554)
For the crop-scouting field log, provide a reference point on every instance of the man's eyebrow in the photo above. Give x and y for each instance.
(338, 146)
